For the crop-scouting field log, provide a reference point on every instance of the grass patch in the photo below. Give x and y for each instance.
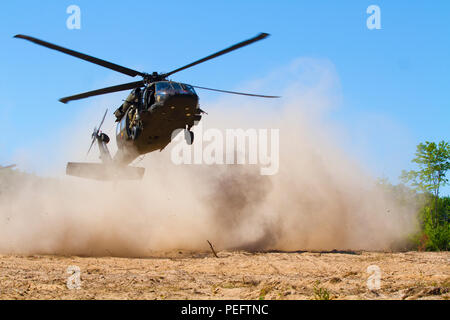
(321, 293)
(264, 291)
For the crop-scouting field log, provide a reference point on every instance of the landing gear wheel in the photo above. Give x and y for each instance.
(189, 136)
(104, 137)
(135, 131)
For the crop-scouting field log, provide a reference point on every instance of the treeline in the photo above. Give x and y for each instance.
(435, 227)
(12, 180)
(432, 216)
(423, 186)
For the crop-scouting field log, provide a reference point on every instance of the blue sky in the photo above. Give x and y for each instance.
(396, 78)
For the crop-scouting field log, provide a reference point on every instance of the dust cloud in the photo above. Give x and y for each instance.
(321, 198)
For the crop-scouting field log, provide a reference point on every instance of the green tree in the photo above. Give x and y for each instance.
(433, 161)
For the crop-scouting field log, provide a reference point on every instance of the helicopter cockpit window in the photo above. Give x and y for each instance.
(163, 86)
(176, 86)
(187, 88)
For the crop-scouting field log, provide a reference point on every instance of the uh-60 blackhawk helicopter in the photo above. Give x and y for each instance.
(146, 120)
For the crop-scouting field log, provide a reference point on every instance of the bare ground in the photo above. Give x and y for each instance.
(233, 275)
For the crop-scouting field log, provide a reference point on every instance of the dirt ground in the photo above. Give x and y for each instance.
(233, 275)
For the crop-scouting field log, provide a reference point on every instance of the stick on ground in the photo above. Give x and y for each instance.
(212, 248)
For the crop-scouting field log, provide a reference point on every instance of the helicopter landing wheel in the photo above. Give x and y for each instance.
(189, 136)
(104, 137)
(135, 131)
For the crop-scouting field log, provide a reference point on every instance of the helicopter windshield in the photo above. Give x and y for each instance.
(174, 87)
(187, 88)
(163, 87)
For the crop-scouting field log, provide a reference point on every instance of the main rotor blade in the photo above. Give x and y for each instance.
(239, 93)
(215, 55)
(83, 56)
(120, 87)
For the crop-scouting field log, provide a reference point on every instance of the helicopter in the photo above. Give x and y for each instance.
(154, 109)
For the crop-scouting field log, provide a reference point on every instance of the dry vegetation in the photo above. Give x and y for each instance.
(234, 275)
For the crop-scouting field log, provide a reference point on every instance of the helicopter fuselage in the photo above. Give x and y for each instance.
(149, 117)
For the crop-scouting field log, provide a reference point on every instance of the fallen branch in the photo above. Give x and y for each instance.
(212, 249)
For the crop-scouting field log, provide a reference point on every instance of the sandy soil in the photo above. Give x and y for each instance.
(234, 275)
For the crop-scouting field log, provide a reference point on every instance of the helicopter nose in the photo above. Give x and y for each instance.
(181, 106)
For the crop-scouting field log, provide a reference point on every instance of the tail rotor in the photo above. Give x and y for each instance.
(97, 133)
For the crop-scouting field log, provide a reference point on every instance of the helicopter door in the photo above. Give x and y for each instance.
(149, 97)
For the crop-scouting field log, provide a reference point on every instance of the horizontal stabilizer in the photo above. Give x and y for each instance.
(103, 172)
